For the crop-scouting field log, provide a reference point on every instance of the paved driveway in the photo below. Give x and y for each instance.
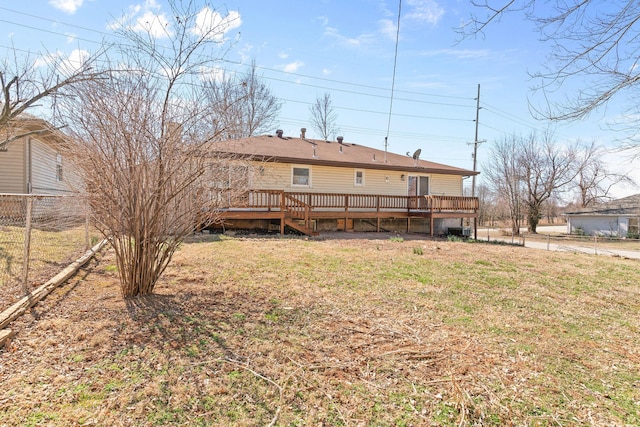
(593, 248)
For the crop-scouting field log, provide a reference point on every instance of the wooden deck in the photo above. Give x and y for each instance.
(299, 209)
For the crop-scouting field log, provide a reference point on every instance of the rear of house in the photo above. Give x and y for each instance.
(348, 186)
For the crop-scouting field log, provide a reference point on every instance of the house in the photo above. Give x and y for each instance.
(315, 185)
(34, 163)
(617, 218)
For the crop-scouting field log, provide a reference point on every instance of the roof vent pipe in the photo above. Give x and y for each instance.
(279, 133)
(303, 132)
(340, 139)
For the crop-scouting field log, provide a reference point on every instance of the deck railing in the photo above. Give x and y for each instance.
(299, 202)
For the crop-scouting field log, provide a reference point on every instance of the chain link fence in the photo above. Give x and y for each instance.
(39, 236)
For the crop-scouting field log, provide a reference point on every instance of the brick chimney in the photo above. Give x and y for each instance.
(303, 132)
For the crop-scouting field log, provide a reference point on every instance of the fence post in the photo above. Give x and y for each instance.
(27, 246)
(548, 240)
(595, 237)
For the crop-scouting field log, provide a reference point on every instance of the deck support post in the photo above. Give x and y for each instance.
(283, 211)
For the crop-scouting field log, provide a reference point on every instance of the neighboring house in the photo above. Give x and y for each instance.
(33, 164)
(314, 185)
(617, 218)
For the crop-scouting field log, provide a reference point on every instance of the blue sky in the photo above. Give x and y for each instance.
(306, 48)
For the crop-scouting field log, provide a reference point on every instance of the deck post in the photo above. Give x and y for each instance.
(346, 212)
(431, 224)
(282, 213)
(377, 214)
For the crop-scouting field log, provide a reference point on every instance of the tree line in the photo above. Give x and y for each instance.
(527, 176)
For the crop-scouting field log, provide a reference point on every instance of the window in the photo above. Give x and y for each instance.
(59, 167)
(358, 179)
(301, 176)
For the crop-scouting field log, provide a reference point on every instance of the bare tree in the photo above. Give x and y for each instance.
(323, 117)
(592, 44)
(594, 181)
(546, 168)
(528, 172)
(502, 174)
(142, 140)
(245, 104)
(26, 84)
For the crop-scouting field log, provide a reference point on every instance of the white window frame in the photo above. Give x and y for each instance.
(355, 178)
(293, 168)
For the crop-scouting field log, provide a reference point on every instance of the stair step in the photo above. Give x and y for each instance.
(301, 228)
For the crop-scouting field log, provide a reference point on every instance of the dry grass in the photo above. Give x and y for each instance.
(50, 252)
(338, 332)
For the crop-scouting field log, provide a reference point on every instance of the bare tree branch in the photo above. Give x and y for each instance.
(24, 85)
(323, 117)
(143, 140)
(593, 45)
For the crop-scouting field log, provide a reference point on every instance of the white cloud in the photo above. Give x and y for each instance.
(155, 24)
(213, 25)
(67, 6)
(326, 71)
(424, 11)
(283, 55)
(46, 59)
(388, 28)
(64, 64)
(245, 53)
(363, 39)
(333, 32)
(152, 20)
(292, 67)
(71, 37)
(74, 61)
(211, 74)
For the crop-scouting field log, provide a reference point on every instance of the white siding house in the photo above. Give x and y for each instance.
(617, 218)
(34, 164)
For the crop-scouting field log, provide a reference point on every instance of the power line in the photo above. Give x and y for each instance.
(233, 62)
(413, 116)
(393, 77)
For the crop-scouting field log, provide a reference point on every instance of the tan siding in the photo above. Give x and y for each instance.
(327, 179)
(12, 173)
(271, 176)
(447, 185)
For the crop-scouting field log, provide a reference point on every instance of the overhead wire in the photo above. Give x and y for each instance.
(393, 77)
(393, 91)
(237, 63)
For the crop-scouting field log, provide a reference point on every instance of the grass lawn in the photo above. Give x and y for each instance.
(358, 332)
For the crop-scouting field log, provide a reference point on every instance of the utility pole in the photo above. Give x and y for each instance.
(475, 145)
(476, 142)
